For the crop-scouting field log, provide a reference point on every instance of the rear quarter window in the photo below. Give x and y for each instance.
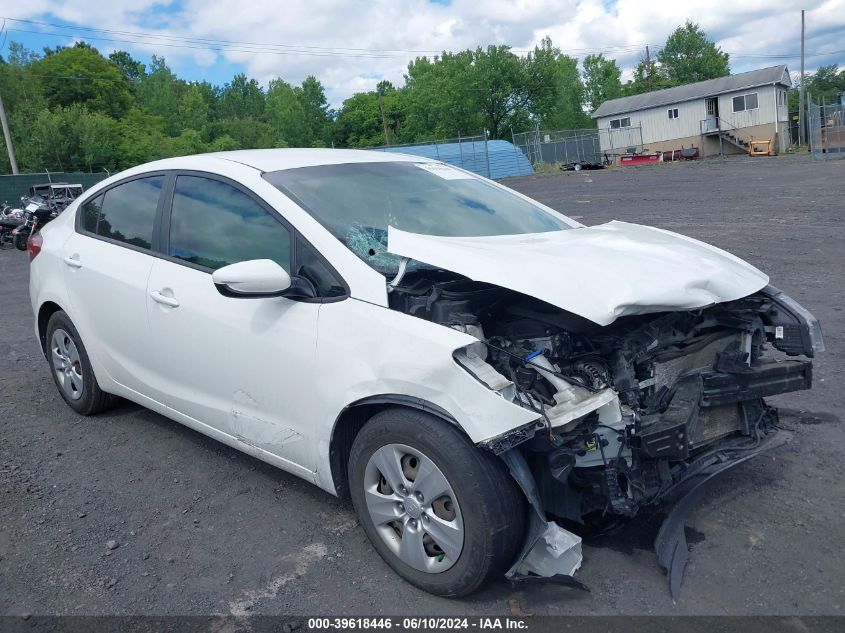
(125, 213)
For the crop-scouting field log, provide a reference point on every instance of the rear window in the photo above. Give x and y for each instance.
(125, 213)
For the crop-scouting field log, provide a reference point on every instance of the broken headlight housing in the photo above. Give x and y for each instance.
(794, 330)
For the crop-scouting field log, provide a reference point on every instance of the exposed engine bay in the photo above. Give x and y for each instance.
(631, 415)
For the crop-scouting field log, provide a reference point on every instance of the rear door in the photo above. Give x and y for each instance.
(107, 262)
(242, 366)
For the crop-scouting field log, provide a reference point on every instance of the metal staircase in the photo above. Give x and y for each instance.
(724, 130)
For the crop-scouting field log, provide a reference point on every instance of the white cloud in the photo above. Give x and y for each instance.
(756, 32)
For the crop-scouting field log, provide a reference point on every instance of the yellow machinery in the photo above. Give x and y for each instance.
(760, 148)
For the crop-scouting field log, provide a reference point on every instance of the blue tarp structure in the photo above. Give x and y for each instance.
(492, 159)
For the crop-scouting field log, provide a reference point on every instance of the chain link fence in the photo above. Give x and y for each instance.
(578, 145)
(13, 187)
(826, 129)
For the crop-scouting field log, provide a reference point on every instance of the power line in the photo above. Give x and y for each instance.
(247, 46)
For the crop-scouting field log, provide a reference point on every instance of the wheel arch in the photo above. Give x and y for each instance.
(45, 311)
(353, 418)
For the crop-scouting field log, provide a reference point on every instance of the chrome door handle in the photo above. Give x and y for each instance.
(164, 300)
(73, 262)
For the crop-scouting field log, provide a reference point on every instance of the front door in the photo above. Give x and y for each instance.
(712, 120)
(242, 366)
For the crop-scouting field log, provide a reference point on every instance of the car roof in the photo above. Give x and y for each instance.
(278, 159)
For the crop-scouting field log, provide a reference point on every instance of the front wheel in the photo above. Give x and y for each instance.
(444, 514)
(20, 241)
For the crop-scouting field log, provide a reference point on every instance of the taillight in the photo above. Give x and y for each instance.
(33, 245)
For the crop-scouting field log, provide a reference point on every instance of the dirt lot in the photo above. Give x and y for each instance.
(199, 528)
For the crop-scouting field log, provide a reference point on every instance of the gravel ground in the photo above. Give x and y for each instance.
(130, 513)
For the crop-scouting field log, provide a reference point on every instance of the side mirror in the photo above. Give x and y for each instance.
(253, 279)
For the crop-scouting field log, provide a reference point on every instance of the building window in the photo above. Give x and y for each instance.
(673, 113)
(745, 102)
(617, 123)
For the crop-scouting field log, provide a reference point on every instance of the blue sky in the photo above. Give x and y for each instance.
(350, 46)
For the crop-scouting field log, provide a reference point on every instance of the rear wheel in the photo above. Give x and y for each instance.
(20, 241)
(71, 367)
(442, 513)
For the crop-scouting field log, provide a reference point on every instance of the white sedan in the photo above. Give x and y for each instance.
(474, 369)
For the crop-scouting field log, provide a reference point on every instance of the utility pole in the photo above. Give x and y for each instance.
(383, 120)
(8, 136)
(801, 88)
(648, 67)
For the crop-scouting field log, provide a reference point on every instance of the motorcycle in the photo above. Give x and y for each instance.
(37, 213)
(10, 219)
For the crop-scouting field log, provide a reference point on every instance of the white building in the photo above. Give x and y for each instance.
(717, 115)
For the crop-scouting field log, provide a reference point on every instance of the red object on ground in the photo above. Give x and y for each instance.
(644, 159)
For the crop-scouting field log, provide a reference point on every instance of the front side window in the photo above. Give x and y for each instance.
(127, 212)
(213, 224)
(357, 202)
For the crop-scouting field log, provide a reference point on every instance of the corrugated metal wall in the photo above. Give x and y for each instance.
(492, 159)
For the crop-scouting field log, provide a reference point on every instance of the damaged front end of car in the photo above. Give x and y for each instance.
(631, 416)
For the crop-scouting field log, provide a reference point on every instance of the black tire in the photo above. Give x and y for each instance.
(493, 507)
(92, 400)
(20, 241)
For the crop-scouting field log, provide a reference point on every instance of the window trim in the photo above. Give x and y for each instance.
(674, 114)
(161, 224)
(102, 192)
(619, 120)
(164, 231)
(745, 96)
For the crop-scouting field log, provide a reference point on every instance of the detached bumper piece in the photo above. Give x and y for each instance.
(671, 543)
(549, 552)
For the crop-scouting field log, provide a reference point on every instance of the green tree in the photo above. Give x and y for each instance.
(241, 98)
(249, 133)
(501, 87)
(299, 114)
(160, 93)
(70, 138)
(20, 55)
(129, 67)
(440, 99)
(80, 75)
(312, 97)
(359, 121)
(554, 92)
(689, 56)
(189, 142)
(601, 80)
(192, 109)
(141, 138)
(647, 77)
(826, 83)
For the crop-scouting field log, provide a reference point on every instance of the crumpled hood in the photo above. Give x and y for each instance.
(600, 272)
